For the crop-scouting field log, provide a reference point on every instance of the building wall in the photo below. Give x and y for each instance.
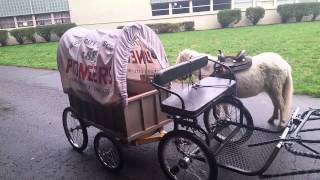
(108, 15)
(84, 12)
(101, 14)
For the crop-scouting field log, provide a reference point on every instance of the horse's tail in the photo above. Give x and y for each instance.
(287, 95)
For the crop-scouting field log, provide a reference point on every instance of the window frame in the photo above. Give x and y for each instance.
(182, 9)
(157, 11)
(28, 21)
(6, 24)
(61, 19)
(221, 6)
(198, 8)
(41, 19)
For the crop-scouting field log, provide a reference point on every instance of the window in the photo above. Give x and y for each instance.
(264, 3)
(180, 7)
(303, 1)
(201, 5)
(286, 2)
(7, 22)
(221, 4)
(160, 9)
(24, 21)
(242, 4)
(43, 19)
(61, 17)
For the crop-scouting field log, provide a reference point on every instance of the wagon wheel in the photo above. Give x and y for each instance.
(108, 152)
(217, 120)
(184, 156)
(74, 129)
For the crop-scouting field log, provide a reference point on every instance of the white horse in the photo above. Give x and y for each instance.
(269, 72)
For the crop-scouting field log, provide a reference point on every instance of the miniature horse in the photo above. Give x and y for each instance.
(269, 72)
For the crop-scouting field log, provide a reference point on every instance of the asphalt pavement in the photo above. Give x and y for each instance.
(33, 144)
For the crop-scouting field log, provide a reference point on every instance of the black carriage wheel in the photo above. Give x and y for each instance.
(108, 152)
(74, 129)
(217, 118)
(184, 156)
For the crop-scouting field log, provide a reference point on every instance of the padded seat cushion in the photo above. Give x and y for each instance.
(197, 98)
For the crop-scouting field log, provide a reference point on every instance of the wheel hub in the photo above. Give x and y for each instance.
(184, 163)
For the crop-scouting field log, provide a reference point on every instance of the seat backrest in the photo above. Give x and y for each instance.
(176, 71)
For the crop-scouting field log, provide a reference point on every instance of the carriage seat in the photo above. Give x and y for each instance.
(193, 100)
(198, 97)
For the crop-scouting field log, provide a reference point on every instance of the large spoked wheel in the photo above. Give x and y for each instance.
(108, 152)
(75, 130)
(218, 119)
(184, 156)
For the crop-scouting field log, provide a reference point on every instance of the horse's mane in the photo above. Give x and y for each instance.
(187, 54)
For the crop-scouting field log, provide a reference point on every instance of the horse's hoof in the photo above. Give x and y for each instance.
(281, 127)
(271, 120)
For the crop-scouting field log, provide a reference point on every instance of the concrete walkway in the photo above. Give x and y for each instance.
(33, 144)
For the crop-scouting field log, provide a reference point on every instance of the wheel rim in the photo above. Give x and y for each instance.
(220, 117)
(74, 130)
(108, 153)
(185, 160)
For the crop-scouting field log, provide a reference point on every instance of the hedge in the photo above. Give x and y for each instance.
(19, 35)
(314, 9)
(298, 11)
(228, 17)
(170, 27)
(60, 29)
(3, 37)
(23, 34)
(254, 14)
(29, 34)
(45, 32)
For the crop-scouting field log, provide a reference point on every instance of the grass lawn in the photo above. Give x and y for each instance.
(298, 43)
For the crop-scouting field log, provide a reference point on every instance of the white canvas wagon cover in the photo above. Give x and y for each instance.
(96, 65)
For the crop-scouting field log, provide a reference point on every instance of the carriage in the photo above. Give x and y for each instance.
(119, 82)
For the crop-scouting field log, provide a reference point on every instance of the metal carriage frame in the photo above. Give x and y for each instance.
(242, 137)
(233, 135)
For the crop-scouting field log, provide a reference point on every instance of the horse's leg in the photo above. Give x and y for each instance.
(280, 101)
(275, 107)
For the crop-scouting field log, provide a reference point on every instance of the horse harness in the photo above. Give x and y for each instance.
(236, 63)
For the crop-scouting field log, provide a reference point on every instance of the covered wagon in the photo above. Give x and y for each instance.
(106, 75)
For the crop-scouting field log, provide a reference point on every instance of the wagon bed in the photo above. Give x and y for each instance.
(141, 118)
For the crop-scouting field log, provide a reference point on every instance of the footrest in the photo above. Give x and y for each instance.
(247, 159)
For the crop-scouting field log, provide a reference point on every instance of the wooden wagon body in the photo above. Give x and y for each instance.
(133, 124)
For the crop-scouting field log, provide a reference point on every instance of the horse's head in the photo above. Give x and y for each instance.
(188, 54)
(183, 56)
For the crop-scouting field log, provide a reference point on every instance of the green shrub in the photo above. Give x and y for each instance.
(60, 29)
(286, 12)
(19, 35)
(298, 11)
(314, 9)
(45, 32)
(171, 27)
(188, 26)
(28, 34)
(164, 27)
(3, 37)
(228, 17)
(254, 14)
